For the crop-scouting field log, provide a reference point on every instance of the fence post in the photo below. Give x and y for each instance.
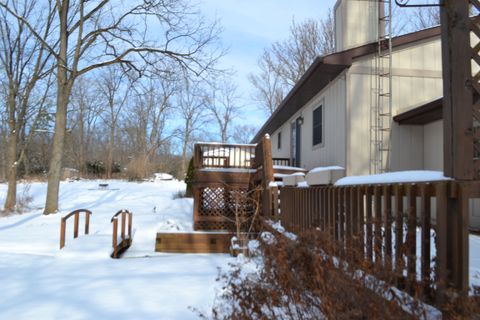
(460, 237)
(75, 225)
(62, 233)
(267, 176)
(87, 222)
(124, 216)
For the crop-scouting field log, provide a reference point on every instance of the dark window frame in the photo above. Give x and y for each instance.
(318, 127)
(279, 140)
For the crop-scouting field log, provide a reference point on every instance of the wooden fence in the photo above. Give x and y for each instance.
(417, 231)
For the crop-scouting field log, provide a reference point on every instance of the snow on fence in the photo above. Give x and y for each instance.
(391, 226)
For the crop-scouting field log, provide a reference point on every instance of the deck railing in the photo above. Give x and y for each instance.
(418, 231)
(281, 162)
(76, 215)
(214, 155)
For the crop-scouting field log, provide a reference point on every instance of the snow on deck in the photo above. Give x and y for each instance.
(394, 177)
(81, 281)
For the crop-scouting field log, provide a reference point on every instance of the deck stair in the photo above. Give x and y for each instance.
(195, 242)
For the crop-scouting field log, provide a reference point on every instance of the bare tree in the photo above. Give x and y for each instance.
(86, 112)
(23, 60)
(269, 87)
(223, 103)
(114, 87)
(190, 109)
(244, 133)
(91, 35)
(284, 62)
(145, 122)
(426, 17)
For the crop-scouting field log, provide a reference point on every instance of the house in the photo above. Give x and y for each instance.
(331, 116)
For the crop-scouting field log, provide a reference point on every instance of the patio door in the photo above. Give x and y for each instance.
(295, 137)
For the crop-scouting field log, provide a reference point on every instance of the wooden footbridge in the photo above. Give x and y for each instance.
(120, 242)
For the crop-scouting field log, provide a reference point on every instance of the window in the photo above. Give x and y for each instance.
(318, 126)
(279, 140)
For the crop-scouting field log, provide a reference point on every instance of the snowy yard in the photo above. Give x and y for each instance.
(81, 281)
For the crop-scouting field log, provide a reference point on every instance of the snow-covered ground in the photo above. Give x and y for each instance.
(81, 281)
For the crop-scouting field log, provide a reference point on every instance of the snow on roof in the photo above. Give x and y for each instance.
(234, 145)
(394, 177)
(287, 168)
(320, 169)
(236, 170)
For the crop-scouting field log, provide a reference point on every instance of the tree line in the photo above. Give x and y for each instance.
(108, 86)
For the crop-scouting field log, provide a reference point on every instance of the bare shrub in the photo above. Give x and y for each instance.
(179, 195)
(25, 199)
(138, 168)
(298, 280)
(23, 202)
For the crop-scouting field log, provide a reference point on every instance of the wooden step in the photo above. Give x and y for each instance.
(196, 242)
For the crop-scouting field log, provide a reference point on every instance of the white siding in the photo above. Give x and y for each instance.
(416, 79)
(332, 151)
(356, 23)
(433, 146)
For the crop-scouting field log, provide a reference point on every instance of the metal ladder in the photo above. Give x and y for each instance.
(381, 84)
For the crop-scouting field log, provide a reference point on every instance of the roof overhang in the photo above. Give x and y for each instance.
(427, 113)
(324, 70)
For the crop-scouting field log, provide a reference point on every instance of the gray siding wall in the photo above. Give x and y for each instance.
(416, 79)
(332, 150)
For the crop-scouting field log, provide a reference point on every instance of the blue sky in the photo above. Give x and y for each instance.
(248, 27)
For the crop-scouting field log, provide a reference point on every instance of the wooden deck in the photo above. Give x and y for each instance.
(211, 242)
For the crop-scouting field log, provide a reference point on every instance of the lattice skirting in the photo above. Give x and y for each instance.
(218, 205)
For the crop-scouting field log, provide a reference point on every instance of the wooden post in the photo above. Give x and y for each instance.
(425, 242)
(114, 236)
(411, 241)
(457, 91)
(267, 176)
(62, 233)
(75, 225)
(458, 211)
(87, 222)
(130, 218)
(441, 240)
(124, 216)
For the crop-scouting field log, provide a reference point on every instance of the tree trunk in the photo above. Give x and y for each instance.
(110, 151)
(12, 164)
(81, 133)
(11, 200)
(55, 169)
(184, 158)
(63, 93)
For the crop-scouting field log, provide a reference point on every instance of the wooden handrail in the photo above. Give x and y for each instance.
(76, 214)
(126, 240)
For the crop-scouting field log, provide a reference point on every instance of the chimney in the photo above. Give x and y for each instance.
(357, 22)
